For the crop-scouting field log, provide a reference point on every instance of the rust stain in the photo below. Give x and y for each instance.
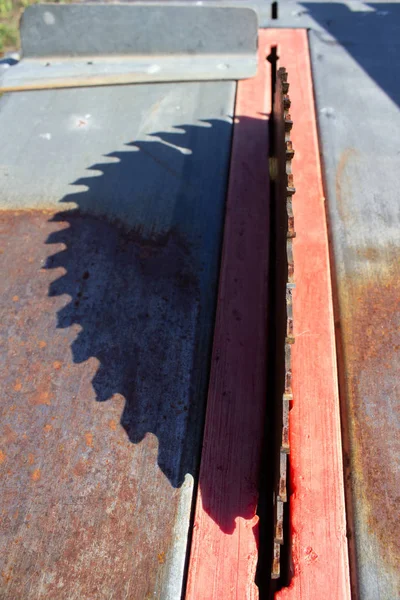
(31, 458)
(371, 334)
(57, 364)
(3, 457)
(36, 475)
(15, 298)
(368, 253)
(47, 428)
(6, 576)
(161, 558)
(9, 436)
(17, 386)
(42, 344)
(40, 398)
(80, 468)
(112, 424)
(89, 439)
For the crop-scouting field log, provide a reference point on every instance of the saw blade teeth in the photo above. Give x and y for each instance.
(291, 233)
(290, 191)
(283, 73)
(289, 309)
(289, 146)
(285, 447)
(288, 367)
(289, 150)
(276, 571)
(282, 492)
(283, 158)
(289, 252)
(288, 123)
(278, 534)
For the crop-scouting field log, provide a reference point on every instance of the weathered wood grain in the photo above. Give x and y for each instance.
(224, 549)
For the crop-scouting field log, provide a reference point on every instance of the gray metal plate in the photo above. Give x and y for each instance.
(112, 204)
(66, 45)
(137, 29)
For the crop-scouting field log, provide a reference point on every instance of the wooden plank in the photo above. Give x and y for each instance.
(224, 548)
(318, 523)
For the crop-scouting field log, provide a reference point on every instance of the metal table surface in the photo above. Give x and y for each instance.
(112, 205)
(360, 129)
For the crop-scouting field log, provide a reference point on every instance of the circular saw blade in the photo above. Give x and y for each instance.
(284, 234)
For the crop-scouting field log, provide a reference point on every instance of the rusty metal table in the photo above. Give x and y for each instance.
(112, 204)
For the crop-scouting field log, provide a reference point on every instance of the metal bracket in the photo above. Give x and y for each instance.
(72, 45)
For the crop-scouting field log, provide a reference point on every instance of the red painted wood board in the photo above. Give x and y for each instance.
(223, 562)
(224, 550)
(317, 506)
